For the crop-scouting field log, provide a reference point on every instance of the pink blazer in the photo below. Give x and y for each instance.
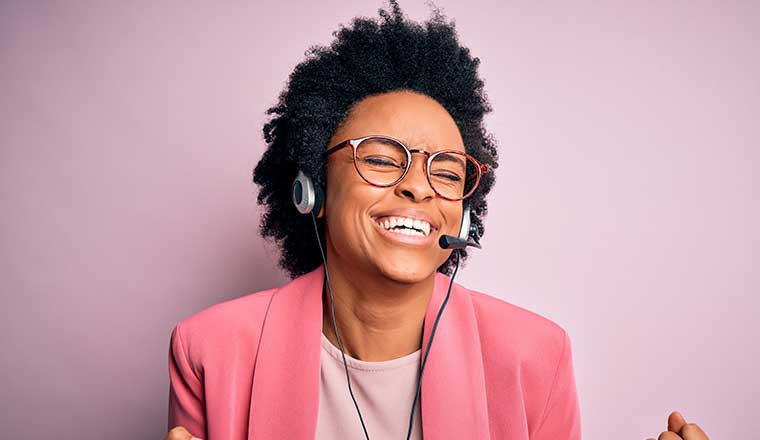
(248, 368)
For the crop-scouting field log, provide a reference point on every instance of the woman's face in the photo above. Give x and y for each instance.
(354, 209)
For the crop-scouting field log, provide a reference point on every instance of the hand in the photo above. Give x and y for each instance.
(678, 429)
(180, 433)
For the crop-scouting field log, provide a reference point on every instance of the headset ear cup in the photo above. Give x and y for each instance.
(464, 228)
(302, 193)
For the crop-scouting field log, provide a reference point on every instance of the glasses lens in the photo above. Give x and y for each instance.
(381, 161)
(453, 175)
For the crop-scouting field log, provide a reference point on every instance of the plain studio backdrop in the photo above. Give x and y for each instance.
(625, 208)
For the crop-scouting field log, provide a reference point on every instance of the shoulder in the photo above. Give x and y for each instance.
(515, 332)
(529, 356)
(218, 328)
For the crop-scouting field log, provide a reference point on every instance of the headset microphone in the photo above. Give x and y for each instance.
(468, 233)
(451, 242)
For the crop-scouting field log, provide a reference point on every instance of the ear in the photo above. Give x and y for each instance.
(321, 211)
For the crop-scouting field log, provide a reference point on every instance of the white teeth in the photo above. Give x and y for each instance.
(408, 232)
(421, 227)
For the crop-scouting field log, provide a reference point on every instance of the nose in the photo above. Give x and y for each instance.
(415, 185)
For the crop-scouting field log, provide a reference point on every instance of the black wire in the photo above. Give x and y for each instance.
(427, 350)
(332, 308)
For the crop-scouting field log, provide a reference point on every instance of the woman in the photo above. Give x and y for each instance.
(376, 151)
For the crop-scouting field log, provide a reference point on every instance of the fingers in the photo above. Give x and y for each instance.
(692, 431)
(688, 431)
(676, 421)
(679, 429)
(180, 433)
(668, 435)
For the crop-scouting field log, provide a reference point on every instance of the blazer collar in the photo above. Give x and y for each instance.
(285, 390)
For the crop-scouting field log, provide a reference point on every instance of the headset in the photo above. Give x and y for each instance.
(309, 199)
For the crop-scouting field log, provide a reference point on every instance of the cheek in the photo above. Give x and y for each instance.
(454, 219)
(349, 193)
(347, 207)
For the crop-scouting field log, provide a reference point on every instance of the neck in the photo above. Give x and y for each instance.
(378, 318)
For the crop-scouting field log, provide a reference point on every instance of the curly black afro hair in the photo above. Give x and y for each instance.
(369, 57)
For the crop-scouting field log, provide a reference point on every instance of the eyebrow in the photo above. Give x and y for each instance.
(451, 158)
(407, 143)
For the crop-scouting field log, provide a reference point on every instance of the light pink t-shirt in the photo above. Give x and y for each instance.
(384, 392)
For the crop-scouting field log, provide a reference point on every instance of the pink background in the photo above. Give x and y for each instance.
(623, 210)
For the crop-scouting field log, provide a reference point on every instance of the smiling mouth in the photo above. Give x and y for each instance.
(405, 226)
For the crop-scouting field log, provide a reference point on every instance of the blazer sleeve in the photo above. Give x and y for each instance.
(186, 393)
(561, 418)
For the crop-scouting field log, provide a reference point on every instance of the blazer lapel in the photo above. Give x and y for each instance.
(453, 394)
(285, 390)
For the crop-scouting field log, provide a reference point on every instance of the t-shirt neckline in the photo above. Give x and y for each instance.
(357, 364)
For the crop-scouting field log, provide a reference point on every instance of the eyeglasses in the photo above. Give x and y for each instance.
(384, 161)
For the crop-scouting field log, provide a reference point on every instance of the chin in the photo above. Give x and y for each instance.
(412, 272)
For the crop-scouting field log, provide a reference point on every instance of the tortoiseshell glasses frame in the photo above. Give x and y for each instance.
(479, 168)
